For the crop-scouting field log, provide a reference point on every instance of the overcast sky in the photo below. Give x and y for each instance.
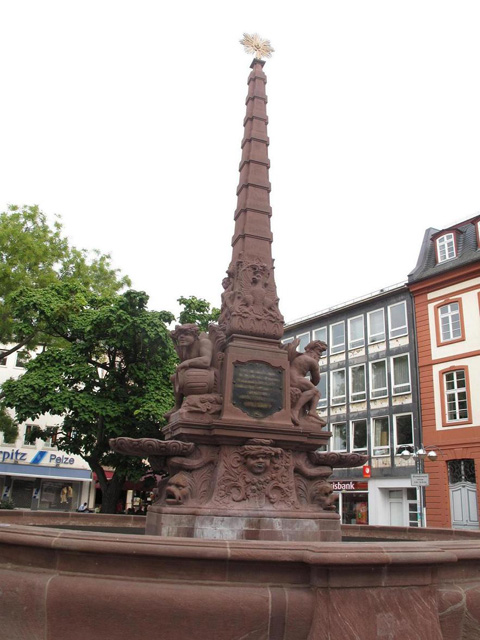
(126, 119)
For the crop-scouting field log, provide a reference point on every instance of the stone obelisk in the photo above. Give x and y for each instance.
(240, 449)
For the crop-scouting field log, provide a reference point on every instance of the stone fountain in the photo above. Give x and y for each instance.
(240, 450)
(243, 542)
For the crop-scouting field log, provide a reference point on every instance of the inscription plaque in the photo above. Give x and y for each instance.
(257, 388)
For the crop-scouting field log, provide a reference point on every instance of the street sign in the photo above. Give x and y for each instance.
(419, 480)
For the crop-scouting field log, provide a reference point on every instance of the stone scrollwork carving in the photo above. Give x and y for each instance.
(207, 403)
(337, 460)
(190, 478)
(256, 475)
(249, 301)
(144, 447)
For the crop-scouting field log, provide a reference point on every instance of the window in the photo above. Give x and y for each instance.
(356, 337)
(338, 387)
(456, 398)
(378, 379)
(357, 383)
(3, 361)
(446, 247)
(403, 432)
(304, 340)
(337, 337)
(28, 435)
(322, 387)
(376, 326)
(52, 440)
(397, 319)
(321, 334)
(450, 323)
(380, 437)
(22, 358)
(401, 374)
(287, 341)
(339, 437)
(359, 435)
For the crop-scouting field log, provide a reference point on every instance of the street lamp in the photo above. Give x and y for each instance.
(421, 454)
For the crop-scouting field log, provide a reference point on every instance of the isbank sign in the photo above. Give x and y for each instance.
(34, 457)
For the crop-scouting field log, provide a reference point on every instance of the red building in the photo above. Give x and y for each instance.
(445, 285)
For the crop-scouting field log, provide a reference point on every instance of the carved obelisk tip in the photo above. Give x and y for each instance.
(254, 44)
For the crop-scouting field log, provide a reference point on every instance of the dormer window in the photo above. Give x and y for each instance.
(446, 247)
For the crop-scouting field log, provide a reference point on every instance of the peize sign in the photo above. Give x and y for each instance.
(26, 457)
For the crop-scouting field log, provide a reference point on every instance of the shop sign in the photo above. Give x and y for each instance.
(367, 471)
(17, 455)
(350, 485)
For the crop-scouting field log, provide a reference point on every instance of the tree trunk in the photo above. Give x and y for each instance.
(111, 489)
(111, 494)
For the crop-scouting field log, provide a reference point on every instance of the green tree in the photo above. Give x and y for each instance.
(107, 374)
(197, 311)
(34, 254)
(9, 427)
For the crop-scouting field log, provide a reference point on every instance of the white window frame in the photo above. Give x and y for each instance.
(407, 445)
(20, 354)
(402, 330)
(339, 424)
(323, 401)
(446, 248)
(358, 396)
(352, 435)
(385, 448)
(334, 399)
(305, 341)
(376, 337)
(456, 393)
(340, 346)
(288, 340)
(397, 389)
(321, 334)
(357, 343)
(28, 429)
(52, 441)
(383, 391)
(452, 317)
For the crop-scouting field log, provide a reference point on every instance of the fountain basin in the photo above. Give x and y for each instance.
(60, 584)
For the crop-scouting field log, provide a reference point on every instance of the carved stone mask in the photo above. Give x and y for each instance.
(178, 489)
(257, 463)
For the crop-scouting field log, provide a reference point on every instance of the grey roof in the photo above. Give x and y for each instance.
(467, 251)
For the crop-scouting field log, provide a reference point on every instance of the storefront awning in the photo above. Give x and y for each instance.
(60, 473)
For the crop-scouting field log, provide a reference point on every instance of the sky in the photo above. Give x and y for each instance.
(126, 119)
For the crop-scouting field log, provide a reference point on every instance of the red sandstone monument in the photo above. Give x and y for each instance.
(240, 449)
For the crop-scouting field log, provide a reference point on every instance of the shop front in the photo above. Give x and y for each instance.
(352, 500)
(43, 479)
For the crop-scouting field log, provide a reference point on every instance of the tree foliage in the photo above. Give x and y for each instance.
(9, 427)
(197, 311)
(34, 254)
(108, 374)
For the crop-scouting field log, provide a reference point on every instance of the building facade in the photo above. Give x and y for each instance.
(445, 285)
(369, 399)
(38, 476)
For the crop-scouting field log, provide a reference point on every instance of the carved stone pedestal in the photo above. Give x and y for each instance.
(252, 491)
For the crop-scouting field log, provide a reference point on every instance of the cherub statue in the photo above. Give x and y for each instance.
(304, 402)
(195, 351)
